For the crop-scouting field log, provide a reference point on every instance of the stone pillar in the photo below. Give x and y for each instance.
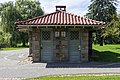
(35, 45)
(90, 45)
(84, 46)
(30, 44)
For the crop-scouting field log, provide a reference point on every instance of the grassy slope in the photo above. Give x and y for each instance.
(115, 77)
(107, 53)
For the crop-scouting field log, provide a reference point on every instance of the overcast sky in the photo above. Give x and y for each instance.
(78, 7)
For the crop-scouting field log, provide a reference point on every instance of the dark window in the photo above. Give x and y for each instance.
(74, 35)
(46, 35)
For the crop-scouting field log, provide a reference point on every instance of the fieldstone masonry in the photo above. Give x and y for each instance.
(35, 45)
(30, 43)
(84, 48)
(34, 49)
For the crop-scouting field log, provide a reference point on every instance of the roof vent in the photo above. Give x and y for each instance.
(60, 8)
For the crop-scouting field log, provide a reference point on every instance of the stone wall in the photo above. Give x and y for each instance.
(84, 46)
(34, 49)
(30, 44)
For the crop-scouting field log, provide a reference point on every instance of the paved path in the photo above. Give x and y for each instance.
(12, 66)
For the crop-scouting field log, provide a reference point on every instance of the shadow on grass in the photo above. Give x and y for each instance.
(104, 59)
(117, 48)
(106, 56)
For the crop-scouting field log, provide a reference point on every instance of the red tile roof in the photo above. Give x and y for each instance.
(59, 18)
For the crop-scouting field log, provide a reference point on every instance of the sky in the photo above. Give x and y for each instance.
(77, 7)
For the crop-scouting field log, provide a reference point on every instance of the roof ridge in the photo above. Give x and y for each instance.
(70, 17)
(40, 16)
(50, 14)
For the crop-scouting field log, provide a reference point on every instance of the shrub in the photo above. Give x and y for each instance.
(4, 39)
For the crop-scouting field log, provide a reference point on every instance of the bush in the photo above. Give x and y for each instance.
(3, 45)
(4, 39)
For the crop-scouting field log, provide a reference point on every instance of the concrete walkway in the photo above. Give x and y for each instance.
(13, 67)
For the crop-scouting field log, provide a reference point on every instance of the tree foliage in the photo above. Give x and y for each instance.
(102, 10)
(4, 39)
(112, 29)
(9, 15)
(11, 12)
(28, 9)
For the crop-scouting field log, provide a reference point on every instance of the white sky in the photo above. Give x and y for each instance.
(78, 7)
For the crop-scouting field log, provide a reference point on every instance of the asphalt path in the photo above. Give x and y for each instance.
(15, 65)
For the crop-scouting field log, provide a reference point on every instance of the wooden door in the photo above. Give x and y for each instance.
(74, 45)
(46, 45)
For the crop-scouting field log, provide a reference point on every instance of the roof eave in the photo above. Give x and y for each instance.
(57, 25)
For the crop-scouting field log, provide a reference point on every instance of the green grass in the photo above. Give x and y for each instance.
(20, 45)
(17, 48)
(107, 53)
(75, 77)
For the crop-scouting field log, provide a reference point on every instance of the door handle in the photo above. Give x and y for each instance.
(41, 46)
(79, 47)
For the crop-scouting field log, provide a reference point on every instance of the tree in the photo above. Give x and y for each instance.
(7, 10)
(4, 39)
(102, 10)
(112, 29)
(20, 10)
(28, 9)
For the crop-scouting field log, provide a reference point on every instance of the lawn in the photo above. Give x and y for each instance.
(12, 48)
(106, 53)
(77, 77)
(19, 46)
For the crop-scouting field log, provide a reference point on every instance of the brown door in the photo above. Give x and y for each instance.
(60, 45)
